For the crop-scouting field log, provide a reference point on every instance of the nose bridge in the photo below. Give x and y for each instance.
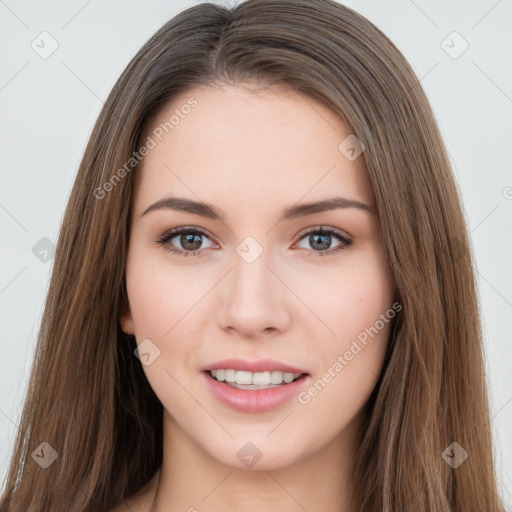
(252, 299)
(251, 276)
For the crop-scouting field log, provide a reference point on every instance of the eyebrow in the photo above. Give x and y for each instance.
(293, 212)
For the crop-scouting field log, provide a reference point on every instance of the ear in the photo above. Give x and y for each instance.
(126, 322)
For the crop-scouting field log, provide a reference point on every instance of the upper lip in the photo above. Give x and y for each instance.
(261, 365)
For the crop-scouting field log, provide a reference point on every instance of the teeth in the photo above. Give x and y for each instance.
(261, 379)
(243, 377)
(255, 379)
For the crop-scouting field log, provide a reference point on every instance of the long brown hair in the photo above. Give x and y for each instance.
(88, 397)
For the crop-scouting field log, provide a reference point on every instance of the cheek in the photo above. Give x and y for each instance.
(159, 295)
(356, 305)
(349, 368)
(351, 298)
(161, 306)
(166, 308)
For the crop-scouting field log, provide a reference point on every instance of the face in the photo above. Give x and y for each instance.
(255, 277)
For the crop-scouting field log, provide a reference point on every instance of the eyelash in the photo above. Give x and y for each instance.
(169, 235)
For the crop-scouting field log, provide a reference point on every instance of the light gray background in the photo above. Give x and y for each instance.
(48, 107)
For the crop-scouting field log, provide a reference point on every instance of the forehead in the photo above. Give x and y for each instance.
(247, 141)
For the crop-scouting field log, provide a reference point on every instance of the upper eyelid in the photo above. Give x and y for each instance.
(179, 230)
(323, 227)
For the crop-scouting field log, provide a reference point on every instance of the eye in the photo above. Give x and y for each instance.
(188, 237)
(191, 239)
(320, 238)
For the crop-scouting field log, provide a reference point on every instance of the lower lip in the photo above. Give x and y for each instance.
(254, 400)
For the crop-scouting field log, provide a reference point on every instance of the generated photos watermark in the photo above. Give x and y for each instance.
(342, 360)
(158, 134)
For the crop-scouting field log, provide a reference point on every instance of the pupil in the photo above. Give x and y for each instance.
(326, 238)
(189, 237)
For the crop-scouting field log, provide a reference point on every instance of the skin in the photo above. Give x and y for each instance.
(252, 154)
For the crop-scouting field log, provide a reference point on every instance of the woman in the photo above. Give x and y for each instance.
(244, 372)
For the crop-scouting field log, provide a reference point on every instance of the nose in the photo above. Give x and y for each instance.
(253, 300)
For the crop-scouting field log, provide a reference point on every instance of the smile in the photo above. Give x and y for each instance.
(254, 398)
(253, 380)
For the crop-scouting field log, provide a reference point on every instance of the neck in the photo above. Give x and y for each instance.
(190, 479)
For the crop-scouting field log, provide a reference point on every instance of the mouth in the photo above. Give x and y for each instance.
(246, 380)
(254, 386)
(254, 392)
